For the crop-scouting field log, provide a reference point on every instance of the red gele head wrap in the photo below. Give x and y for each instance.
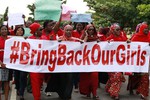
(88, 26)
(142, 27)
(91, 25)
(114, 26)
(67, 27)
(33, 27)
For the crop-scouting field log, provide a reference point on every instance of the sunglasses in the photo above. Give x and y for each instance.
(91, 29)
(117, 29)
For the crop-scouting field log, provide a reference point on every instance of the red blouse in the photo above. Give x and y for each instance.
(2, 45)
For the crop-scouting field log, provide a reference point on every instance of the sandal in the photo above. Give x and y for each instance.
(142, 97)
(115, 97)
(96, 98)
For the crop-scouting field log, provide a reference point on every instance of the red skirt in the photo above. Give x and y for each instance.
(88, 83)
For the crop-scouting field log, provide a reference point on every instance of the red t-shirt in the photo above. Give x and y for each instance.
(117, 38)
(101, 36)
(52, 35)
(76, 34)
(41, 38)
(2, 45)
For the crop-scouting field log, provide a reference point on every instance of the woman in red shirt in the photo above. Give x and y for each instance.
(78, 31)
(143, 83)
(36, 78)
(4, 71)
(89, 81)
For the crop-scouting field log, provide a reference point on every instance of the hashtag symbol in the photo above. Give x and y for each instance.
(14, 54)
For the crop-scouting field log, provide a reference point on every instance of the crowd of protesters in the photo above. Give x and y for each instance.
(63, 83)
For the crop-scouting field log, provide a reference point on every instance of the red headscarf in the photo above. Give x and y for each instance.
(90, 25)
(112, 37)
(114, 26)
(33, 27)
(91, 38)
(140, 36)
(64, 37)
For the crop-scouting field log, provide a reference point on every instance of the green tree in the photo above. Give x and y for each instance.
(144, 12)
(125, 12)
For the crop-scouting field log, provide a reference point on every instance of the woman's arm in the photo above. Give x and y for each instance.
(2, 64)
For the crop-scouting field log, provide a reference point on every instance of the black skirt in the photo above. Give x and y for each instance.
(103, 77)
(62, 83)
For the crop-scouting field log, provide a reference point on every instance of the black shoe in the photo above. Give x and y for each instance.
(21, 98)
(131, 92)
(29, 91)
(18, 93)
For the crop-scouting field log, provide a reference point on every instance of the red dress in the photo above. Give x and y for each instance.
(114, 82)
(143, 80)
(89, 81)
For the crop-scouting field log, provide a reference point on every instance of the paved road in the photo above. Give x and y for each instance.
(124, 95)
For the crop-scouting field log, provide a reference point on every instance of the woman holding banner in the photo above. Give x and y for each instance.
(77, 33)
(115, 80)
(143, 83)
(134, 78)
(103, 34)
(5, 74)
(51, 31)
(20, 76)
(89, 81)
(78, 30)
(36, 78)
(62, 83)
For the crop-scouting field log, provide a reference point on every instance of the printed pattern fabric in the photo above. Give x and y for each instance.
(143, 87)
(4, 74)
(114, 84)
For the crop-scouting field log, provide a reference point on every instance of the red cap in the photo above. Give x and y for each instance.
(33, 27)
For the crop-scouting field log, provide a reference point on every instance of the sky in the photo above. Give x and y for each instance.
(20, 6)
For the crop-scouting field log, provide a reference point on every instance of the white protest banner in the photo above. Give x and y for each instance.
(15, 19)
(52, 56)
